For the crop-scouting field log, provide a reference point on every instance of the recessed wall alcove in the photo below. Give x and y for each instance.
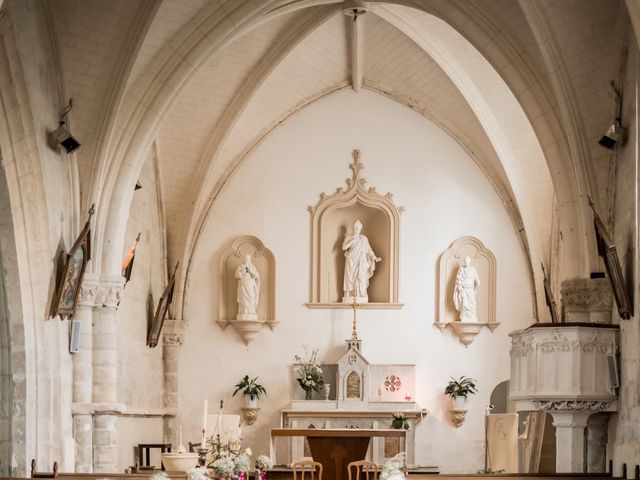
(264, 261)
(333, 218)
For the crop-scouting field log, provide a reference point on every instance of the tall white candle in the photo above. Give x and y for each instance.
(220, 419)
(204, 418)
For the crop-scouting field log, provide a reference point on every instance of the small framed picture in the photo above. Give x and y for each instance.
(75, 263)
(161, 311)
(607, 250)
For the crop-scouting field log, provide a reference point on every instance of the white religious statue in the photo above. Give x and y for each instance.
(465, 293)
(359, 265)
(248, 290)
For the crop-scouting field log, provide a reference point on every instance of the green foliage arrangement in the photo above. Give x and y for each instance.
(250, 387)
(462, 387)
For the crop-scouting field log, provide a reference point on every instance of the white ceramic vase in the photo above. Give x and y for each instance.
(250, 402)
(459, 403)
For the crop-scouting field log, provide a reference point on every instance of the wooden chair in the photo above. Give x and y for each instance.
(36, 474)
(363, 470)
(314, 468)
(144, 455)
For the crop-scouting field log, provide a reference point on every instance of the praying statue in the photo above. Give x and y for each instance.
(359, 265)
(248, 290)
(465, 295)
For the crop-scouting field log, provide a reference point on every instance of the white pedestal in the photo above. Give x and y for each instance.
(570, 441)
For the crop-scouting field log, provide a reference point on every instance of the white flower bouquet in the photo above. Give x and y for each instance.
(224, 467)
(309, 373)
(263, 463)
(243, 462)
(394, 468)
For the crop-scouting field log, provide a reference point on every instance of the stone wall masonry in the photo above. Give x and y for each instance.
(141, 375)
(625, 428)
(42, 223)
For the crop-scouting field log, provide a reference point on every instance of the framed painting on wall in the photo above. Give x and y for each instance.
(66, 295)
(607, 250)
(161, 311)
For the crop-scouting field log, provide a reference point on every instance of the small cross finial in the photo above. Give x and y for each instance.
(354, 331)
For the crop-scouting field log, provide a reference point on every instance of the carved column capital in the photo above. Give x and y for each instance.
(101, 291)
(172, 339)
(587, 300)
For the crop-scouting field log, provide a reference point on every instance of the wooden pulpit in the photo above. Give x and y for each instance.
(336, 448)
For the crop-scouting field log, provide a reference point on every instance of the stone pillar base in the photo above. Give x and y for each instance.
(597, 443)
(83, 436)
(570, 444)
(105, 449)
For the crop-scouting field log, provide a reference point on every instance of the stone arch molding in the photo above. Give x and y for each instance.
(330, 220)
(265, 263)
(485, 263)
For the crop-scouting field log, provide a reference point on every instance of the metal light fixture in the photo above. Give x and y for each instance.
(62, 136)
(616, 132)
(355, 9)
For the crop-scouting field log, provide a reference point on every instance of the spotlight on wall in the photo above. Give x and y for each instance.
(62, 136)
(613, 136)
(138, 186)
(615, 133)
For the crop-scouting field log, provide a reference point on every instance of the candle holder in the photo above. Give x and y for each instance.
(202, 456)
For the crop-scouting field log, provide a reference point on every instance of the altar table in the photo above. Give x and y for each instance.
(335, 448)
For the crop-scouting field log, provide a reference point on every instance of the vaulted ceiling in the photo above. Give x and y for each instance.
(522, 85)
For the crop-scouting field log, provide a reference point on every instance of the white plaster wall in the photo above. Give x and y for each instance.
(140, 370)
(445, 195)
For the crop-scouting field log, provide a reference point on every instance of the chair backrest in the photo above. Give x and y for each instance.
(144, 454)
(303, 466)
(363, 470)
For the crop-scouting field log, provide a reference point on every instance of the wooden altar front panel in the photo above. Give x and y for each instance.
(336, 448)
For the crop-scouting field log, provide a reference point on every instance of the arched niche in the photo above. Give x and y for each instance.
(485, 263)
(264, 262)
(331, 219)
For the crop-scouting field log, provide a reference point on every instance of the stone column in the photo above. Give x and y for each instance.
(597, 443)
(570, 444)
(172, 339)
(587, 300)
(82, 383)
(105, 376)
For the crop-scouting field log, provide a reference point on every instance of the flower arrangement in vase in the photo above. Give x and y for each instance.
(309, 373)
(263, 463)
(227, 459)
(251, 390)
(459, 389)
(399, 421)
(394, 468)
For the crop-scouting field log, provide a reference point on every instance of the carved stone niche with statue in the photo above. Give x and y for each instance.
(247, 296)
(347, 227)
(467, 289)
